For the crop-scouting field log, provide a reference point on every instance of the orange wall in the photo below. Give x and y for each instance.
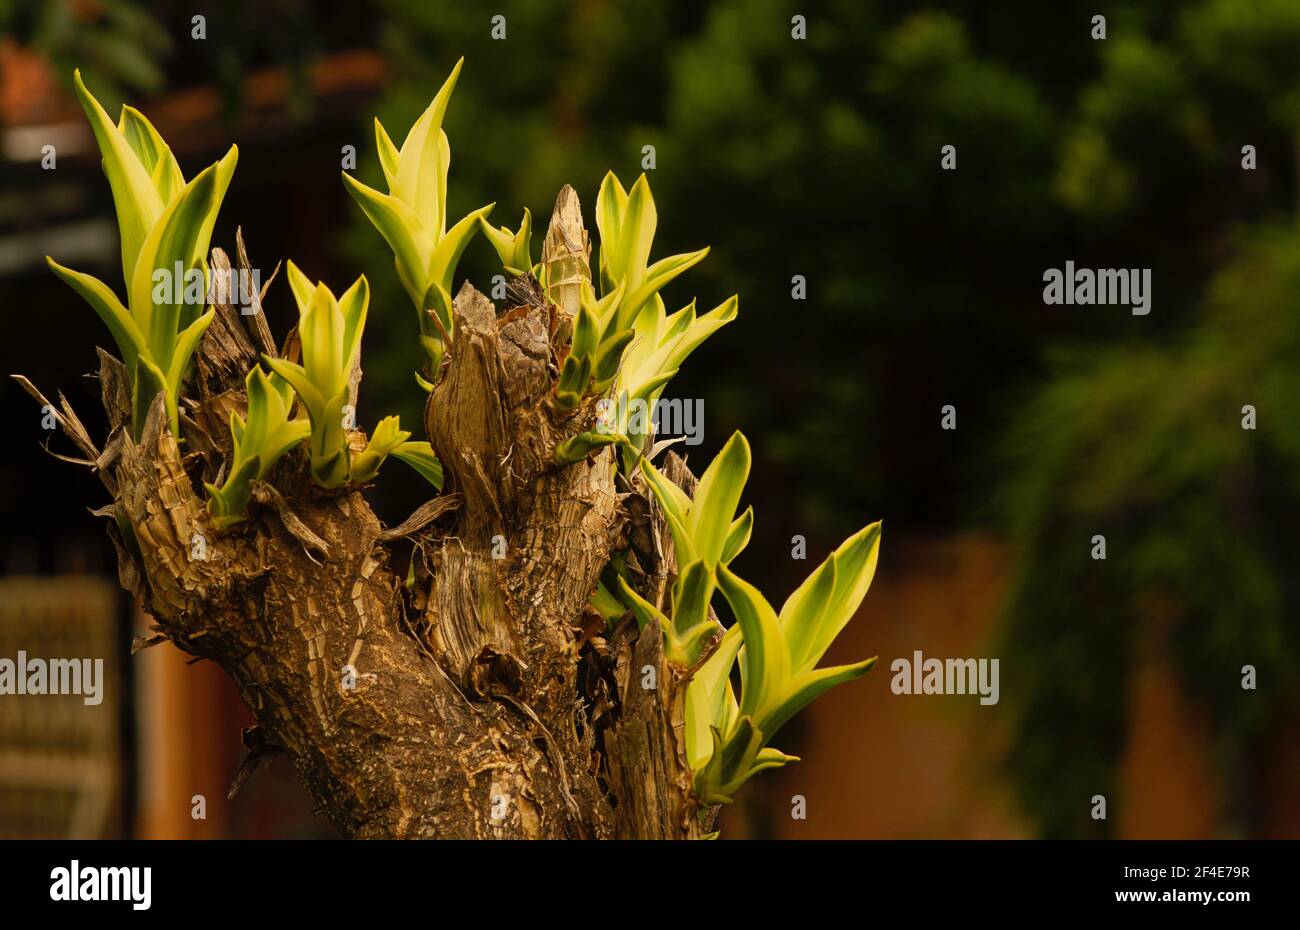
(880, 765)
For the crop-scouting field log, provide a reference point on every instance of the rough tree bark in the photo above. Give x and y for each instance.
(477, 696)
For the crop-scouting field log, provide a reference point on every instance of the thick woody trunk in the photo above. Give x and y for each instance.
(476, 696)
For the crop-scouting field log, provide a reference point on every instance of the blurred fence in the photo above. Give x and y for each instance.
(60, 758)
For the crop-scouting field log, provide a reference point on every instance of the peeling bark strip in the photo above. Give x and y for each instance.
(479, 699)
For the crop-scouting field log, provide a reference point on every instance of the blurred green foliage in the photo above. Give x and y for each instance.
(1146, 446)
(118, 49)
(1142, 441)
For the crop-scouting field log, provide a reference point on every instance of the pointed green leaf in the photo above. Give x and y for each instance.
(602, 309)
(700, 330)
(709, 696)
(420, 456)
(708, 787)
(656, 278)
(134, 195)
(769, 759)
(228, 503)
(402, 230)
(644, 366)
(296, 375)
(738, 535)
(354, 305)
(420, 174)
(585, 334)
(149, 380)
(765, 663)
(577, 448)
(186, 343)
(329, 445)
(387, 436)
(611, 202)
(130, 340)
(821, 607)
(571, 386)
(321, 330)
(855, 567)
(609, 354)
(679, 322)
(806, 688)
(176, 247)
(446, 255)
(698, 721)
(258, 424)
(802, 612)
(291, 433)
(691, 626)
(716, 498)
(636, 235)
(388, 156)
(269, 432)
(675, 505)
(301, 286)
(236, 433)
(738, 754)
(513, 248)
(155, 156)
(643, 610)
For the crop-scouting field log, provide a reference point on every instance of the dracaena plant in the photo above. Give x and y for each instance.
(256, 444)
(627, 222)
(412, 218)
(621, 350)
(330, 331)
(596, 350)
(166, 226)
(631, 301)
(625, 344)
(726, 739)
(514, 248)
(625, 348)
(706, 535)
(660, 346)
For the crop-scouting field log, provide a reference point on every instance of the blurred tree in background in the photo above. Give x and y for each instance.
(119, 49)
(1144, 441)
(1146, 446)
(816, 158)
